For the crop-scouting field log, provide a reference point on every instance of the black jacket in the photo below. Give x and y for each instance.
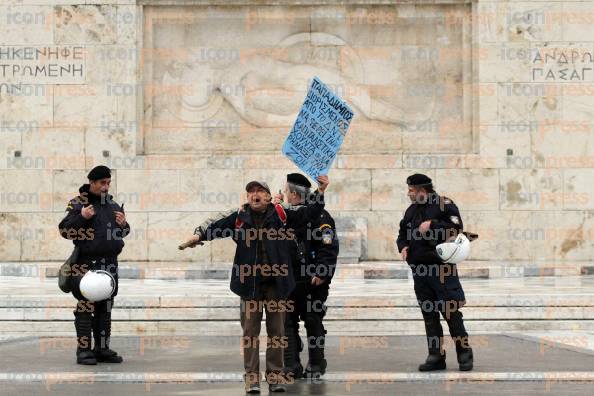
(445, 221)
(245, 278)
(99, 236)
(315, 251)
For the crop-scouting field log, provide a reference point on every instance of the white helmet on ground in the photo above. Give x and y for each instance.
(455, 251)
(97, 285)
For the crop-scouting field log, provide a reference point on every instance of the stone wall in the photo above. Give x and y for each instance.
(189, 100)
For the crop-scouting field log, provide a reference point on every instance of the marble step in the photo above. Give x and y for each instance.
(344, 314)
(484, 303)
(346, 270)
(342, 328)
(31, 305)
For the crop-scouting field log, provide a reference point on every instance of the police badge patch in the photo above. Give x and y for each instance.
(455, 219)
(326, 234)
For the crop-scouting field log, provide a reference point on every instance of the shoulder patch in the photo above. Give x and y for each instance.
(327, 234)
(455, 219)
(446, 200)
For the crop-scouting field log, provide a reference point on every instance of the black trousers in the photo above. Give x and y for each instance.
(440, 296)
(92, 320)
(309, 307)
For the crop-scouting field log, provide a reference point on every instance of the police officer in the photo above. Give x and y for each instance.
(432, 219)
(313, 256)
(96, 225)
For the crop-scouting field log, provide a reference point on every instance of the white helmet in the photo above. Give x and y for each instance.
(97, 285)
(455, 251)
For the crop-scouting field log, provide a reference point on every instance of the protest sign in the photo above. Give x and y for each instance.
(319, 130)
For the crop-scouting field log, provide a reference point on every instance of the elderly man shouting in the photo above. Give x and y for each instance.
(262, 273)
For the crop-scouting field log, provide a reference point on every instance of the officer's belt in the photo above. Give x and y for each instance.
(83, 256)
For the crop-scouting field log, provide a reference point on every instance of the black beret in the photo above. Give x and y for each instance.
(99, 172)
(418, 179)
(298, 179)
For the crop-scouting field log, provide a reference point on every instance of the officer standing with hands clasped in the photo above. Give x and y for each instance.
(97, 226)
(314, 254)
(430, 220)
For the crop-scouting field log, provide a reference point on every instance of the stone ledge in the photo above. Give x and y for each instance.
(347, 268)
(233, 328)
(296, 3)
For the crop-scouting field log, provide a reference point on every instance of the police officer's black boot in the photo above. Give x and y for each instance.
(316, 339)
(435, 361)
(465, 359)
(102, 334)
(316, 367)
(293, 367)
(460, 337)
(434, 333)
(83, 326)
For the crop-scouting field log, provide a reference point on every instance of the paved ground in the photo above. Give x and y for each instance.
(358, 365)
(549, 351)
(463, 388)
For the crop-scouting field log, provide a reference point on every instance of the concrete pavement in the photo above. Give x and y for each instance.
(210, 365)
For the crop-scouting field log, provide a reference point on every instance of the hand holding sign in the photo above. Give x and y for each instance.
(323, 182)
(319, 130)
(278, 198)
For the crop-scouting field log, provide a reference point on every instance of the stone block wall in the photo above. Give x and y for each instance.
(189, 100)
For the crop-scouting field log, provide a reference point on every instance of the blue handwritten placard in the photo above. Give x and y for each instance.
(319, 130)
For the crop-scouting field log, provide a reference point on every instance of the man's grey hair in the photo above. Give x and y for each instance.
(301, 191)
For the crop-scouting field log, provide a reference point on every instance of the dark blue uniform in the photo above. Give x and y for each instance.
(313, 253)
(100, 241)
(437, 286)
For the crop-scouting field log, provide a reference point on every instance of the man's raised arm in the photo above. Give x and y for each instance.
(299, 216)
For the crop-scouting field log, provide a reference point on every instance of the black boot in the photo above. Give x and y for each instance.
(435, 361)
(316, 340)
(465, 359)
(102, 334)
(315, 370)
(83, 326)
(316, 367)
(293, 367)
(295, 372)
